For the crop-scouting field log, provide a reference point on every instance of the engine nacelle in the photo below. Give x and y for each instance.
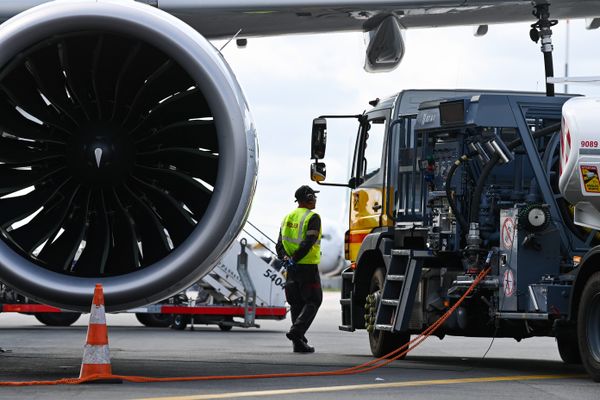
(127, 154)
(579, 179)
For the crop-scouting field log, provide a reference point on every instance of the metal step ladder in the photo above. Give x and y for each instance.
(399, 289)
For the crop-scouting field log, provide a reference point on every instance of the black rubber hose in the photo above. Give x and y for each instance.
(476, 199)
(489, 166)
(464, 225)
(542, 132)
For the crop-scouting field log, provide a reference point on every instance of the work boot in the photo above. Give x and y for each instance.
(295, 337)
(292, 336)
(302, 347)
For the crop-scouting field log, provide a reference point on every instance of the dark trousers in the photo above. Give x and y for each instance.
(304, 294)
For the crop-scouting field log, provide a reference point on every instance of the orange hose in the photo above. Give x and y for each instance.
(361, 368)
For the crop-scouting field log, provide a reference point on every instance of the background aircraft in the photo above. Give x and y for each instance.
(332, 249)
(77, 207)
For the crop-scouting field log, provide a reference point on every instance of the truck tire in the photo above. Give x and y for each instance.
(154, 320)
(568, 348)
(57, 319)
(382, 342)
(588, 326)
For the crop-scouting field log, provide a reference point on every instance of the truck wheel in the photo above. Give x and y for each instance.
(154, 320)
(568, 348)
(57, 319)
(180, 322)
(588, 326)
(382, 342)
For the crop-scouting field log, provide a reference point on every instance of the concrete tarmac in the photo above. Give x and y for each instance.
(453, 368)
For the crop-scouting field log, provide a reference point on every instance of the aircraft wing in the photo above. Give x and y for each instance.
(223, 18)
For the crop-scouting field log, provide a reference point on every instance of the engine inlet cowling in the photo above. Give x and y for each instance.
(127, 155)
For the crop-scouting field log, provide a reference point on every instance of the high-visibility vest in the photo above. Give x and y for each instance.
(293, 232)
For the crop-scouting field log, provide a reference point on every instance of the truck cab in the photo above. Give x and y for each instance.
(385, 134)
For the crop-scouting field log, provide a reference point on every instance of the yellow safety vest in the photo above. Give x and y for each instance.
(293, 232)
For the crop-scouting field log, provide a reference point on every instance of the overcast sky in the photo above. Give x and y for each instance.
(290, 80)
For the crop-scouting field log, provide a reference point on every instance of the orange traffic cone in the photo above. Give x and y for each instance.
(96, 356)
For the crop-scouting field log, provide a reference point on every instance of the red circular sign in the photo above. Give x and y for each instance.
(507, 233)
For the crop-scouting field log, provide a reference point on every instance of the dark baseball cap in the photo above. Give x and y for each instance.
(303, 193)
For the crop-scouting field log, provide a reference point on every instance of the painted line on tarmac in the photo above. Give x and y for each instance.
(323, 389)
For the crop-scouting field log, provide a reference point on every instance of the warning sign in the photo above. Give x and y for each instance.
(507, 233)
(589, 176)
(509, 283)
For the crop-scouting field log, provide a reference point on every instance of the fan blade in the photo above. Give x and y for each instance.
(16, 208)
(94, 75)
(195, 134)
(151, 232)
(171, 212)
(44, 66)
(166, 81)
(106, 71)
(97, 239)
(59, 253)
(123, 73)
(133, 77)
(75, 56)
(47, 223)
(31, 160)
(12, 122)
(181, 107)
(12, 180)
(23, 152)
(22, 92)
(200, 164)
(124, 255)
(185, 189)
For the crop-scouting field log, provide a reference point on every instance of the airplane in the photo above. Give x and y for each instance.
(127, 148)
(332, 250)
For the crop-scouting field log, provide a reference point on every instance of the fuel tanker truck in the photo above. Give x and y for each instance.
(446, 184)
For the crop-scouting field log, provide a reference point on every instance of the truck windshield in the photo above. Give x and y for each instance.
(373, 146)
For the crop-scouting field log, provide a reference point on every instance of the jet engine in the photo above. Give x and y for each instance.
(127, 154)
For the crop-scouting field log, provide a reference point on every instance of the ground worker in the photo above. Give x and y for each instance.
(299, 245)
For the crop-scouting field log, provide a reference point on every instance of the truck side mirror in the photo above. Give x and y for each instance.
(319, 139)
(318, 172)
